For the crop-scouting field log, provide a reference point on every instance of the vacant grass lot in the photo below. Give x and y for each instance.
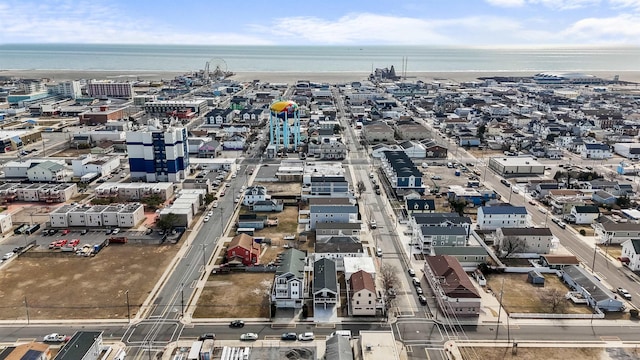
(522, 297)
(235, 295)
(78, 287)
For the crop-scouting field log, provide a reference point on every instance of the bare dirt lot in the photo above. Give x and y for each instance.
(236, 295)
(540, 353)
(71, 152)
(287, 225)
(522, 297)
(78, 287)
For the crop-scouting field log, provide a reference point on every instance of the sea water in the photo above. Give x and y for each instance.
(92, 57)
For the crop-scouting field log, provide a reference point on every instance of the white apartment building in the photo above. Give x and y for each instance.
(503, 216)
(120, 215)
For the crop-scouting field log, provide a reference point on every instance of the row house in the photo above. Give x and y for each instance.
(401, 172)
(631, 254)
(454, 292)
(363, 294)
(419, 221)
(337, 248)
(501, 216)
(431, 237)
(219, 117)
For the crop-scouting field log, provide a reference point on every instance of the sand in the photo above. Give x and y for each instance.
(285, 77)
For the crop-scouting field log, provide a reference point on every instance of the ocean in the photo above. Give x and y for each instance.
(313, 59)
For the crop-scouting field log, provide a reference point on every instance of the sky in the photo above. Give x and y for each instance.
(482, 23)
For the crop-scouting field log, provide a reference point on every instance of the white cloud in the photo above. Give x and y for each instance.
(506, 3)
(626, 4)
(623, 29)
(68, 22)
(357, 28)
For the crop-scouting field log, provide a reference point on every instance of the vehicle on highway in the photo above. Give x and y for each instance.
(542, 210)
(422, 299)
(289, 336)
(207, 336)
(411, 272)
(559, 222)
(308, 336)
(249, 337)
(624, 293)
(532, 202)
(206, 219)
(236, 324)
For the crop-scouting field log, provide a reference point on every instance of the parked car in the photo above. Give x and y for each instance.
(379, 252)
(289, 336)
(411, 272)
(415, 281)
(53, 232)
(436, 177)
(206, 219)
(115, 231)
(532, 202)
(624, 293)
(308, 336)
(84, 231)
(419, 290)
(207, 336)
(8, 256)
(210, 213)
(249, 337)
(505, 183)
(215, 203)
(422, 299)
(236, 324)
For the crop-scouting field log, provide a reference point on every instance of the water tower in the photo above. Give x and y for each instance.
(284, 127)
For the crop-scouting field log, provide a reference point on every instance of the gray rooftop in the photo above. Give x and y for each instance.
(324, 275)
(293, 263)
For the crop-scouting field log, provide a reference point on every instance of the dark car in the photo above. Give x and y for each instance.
(289, 336)
(84, 231)
(53, 232)
(422, 299)
(207, 336)
(236, 324)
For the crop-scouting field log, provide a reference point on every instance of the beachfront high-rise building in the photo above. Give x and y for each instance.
(158, 153)
(107, 89)
(70, 89)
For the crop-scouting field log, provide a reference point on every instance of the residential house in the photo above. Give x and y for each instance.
(501, 216)
(289, 283)
(378, 132)
(603, 198)
(362, 291)
(332, 214)
(436, 152)
(234, 142)
(587, 214)
(254, 194)
(325, 231)
(418, 220)
(325, 284)
(610, 232)
(328, 186)
(420, 205)
(401, 172)
(210, 149)
(630, 254)
(412, 131)
(267, 206)
(414, 150)
(623, 190)
(338, 348)
(593, 290)
(337, 248)
(542, 189)
(563, 200)
(469, 257)
(454, 291)
(46, 171)
(218, 117)
(595, 151)
(331, 149)
(242, 249)
(524, 240)
(26, 351)
(557, 261)
(251, 221)
(430, 237)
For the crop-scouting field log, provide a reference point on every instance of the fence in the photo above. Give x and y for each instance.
(598, 315)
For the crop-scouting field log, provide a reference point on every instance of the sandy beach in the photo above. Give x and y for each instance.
(285, 77)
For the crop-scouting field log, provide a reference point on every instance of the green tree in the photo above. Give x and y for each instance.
(623, 202)
(168, 221)
(152, 202)
(209, 198)
(458, 206)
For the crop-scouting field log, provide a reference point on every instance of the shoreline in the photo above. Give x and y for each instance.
(291, 76)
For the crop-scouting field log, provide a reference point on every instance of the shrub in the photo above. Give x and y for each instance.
(583, 232)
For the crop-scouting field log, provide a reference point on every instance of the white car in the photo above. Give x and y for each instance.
(115, 231)
(206, 219)
(308, 336)
(542, 210)
(249, 337)
(215, 204)
(210, 214)
(436, 177)
(8, 256)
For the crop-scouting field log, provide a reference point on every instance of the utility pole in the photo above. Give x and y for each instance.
(182, 299)
(204, 259)
(593, 263)
(26, 305)
(500, 309)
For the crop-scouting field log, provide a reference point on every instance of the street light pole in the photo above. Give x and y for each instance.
(204, 259)
(182, 299)
(593, 263)
(500, 309)
(128, 306)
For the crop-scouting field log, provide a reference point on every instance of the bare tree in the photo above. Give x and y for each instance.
(555, 300)
(389, 277)
(360, 188)
(511, 245)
